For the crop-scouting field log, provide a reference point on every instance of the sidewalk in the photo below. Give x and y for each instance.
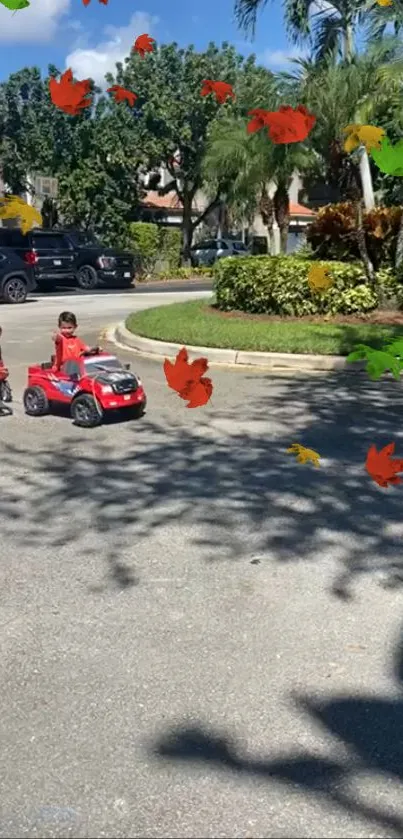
(118, 334)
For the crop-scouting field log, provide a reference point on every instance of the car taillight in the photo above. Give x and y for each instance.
(30, 257)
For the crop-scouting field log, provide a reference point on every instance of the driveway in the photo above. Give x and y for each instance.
(199, 637)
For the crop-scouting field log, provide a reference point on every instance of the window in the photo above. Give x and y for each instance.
(13, 238)
(83, 238)
(239, 246)
(208, 245)
(222, 245)
(43, 241)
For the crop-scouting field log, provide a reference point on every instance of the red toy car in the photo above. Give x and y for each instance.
(92, 385)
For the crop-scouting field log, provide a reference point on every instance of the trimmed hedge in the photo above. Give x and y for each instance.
(278, 285)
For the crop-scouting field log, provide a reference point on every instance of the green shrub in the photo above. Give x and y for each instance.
(170, 246)
(144, 240)
(152, 243)
(278, 285)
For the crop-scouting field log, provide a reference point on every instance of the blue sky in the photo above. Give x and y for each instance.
(91, 39)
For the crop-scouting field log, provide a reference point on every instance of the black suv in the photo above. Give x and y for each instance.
(69, 257)
(16, 277)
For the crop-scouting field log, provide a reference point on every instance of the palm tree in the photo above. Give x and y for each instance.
(330, 27)
(244, 165)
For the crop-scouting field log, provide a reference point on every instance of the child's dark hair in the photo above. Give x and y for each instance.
(67, 317)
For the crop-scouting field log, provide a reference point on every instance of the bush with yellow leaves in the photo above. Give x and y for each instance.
(332, 234)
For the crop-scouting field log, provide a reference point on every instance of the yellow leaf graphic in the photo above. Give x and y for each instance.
(304, 455)
(318, 278)
(384, 2)
(369, 136)
(11, 206)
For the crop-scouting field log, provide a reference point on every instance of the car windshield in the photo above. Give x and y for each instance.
(96, 365)
(83, 238)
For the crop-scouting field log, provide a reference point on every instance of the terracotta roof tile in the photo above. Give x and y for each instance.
(170, 201)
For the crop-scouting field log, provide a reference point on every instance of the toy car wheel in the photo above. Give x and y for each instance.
(86, 411)
(5, 392)
(36, 402)
(87, 277)
(14, 290)
(136, 411)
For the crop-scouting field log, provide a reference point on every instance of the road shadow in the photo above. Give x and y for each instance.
(369, 728)
(228, 479)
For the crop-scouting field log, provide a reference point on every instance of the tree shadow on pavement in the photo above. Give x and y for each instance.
(227, 478)
(369, 728)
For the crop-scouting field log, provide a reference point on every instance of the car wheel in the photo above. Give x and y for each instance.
(36, 402)
(14, 290)
(86, 411)
(87, 277)
(5, 392)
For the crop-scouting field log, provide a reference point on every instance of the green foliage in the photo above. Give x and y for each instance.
(184, 273)
(145, 240)
(333, 233)
(378, 361)
(279, 286)
(170, 247)
(152, 243)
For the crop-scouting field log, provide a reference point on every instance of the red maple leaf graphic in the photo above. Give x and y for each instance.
(188, 380)
(71, 97)
(381, 467)
(222, 90)
(121, 94)
(289, 125)
(143, 44)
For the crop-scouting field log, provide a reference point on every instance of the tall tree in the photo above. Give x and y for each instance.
(174, 119)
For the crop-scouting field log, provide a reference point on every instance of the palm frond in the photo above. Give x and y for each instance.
(246, 12)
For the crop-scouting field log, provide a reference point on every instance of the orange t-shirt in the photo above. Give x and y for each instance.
(68, 348)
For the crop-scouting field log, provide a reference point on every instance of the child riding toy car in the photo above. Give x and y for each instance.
(93, 385)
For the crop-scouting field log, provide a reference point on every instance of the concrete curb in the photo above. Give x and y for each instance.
(118, 334)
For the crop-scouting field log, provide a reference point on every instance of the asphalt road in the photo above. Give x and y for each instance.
(196, 636)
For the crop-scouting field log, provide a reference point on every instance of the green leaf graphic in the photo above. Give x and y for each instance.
(388, 158)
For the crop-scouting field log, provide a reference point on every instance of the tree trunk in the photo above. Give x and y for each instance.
(187, 229)
(362, 245)
(366, 180)
(266, 208)
(348, 42)
(282, 213)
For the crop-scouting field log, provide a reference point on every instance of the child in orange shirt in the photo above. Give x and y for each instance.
(67, 344)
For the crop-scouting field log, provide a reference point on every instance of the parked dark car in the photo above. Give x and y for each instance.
(16, 277)
(70, 257)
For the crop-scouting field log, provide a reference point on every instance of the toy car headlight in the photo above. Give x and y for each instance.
(106, 389)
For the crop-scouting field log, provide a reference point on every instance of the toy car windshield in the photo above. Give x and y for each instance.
(95, 365)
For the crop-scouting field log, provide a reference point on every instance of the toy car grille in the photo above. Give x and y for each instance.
(125, 386)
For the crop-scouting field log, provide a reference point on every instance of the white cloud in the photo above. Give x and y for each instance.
(279, 58)
(37, 23)
(94, 63)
